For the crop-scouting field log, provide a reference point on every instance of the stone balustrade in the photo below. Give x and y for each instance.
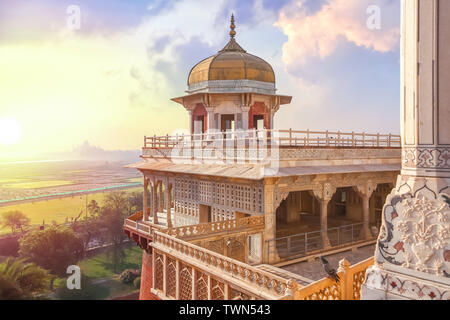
(236, 280)
(349, 287)
(216, 227)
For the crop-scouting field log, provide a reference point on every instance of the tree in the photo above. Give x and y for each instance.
(15, 220)
(93, 207)
(112, 215)
(136, 201)
(88, 229)
(54, 248)
(20, 279)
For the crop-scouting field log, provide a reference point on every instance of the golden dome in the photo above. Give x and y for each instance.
(232, 63)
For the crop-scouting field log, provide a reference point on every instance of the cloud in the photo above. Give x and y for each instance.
(318, 35)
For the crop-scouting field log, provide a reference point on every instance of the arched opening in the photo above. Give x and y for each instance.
(259, 115)
(199, 119)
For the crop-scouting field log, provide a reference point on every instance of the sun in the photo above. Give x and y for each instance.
(10, 131)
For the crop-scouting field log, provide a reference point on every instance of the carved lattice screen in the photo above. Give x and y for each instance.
(159, 266)
(171, 276)
(202, 286)
(217, 290)
(224, 198)
(185, 282)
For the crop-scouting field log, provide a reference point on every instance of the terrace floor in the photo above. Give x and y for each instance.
(313, 270)
(309, 223)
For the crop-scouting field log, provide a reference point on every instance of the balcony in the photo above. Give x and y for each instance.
(277, 148)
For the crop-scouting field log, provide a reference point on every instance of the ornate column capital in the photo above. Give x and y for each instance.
(279, 197)
(324, 191)
(365, 188)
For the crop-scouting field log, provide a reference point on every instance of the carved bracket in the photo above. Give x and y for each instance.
(324, 191)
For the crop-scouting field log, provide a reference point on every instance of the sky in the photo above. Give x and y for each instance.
(108, 77)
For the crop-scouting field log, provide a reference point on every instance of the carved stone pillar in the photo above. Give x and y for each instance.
(154, 200)
(365, 191)
(272, 116)
(245, 111)
(412, 256)
(145, 200)
(270, 227)
(324, 222)
(324, 192)
(211, 126)
(168, 202)
(161, 198)
(191, 122)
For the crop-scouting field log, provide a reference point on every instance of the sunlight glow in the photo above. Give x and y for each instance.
(10, 131)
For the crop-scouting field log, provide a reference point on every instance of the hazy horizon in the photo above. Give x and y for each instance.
(109, 81)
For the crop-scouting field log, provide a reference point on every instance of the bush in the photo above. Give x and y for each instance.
(88, 291)
(137, 282)
(53, 249)
(129, 275)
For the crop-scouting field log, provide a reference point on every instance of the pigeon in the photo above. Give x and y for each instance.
(329, 270)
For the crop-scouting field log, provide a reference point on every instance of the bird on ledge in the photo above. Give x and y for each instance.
(329, 270)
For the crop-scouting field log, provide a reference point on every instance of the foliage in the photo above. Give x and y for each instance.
(15, 220)
(93, 208)
(89, 291)
(112, 215)
(60, 210)
(136, 201)
(137, 283)
(129, 275)
(100, 265)
(20, 279)
(54, 248)
(87, 230)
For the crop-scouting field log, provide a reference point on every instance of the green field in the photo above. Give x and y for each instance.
(37, 184)
(56, 209)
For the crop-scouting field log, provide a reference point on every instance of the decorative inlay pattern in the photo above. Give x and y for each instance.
(427, 158)
(390, 283)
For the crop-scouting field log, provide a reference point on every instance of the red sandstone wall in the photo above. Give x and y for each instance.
(259, 108)
(146, 278)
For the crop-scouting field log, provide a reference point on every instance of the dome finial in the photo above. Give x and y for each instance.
(232, 26)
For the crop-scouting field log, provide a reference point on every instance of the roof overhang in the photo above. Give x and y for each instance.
(181, 100)
(257, 171)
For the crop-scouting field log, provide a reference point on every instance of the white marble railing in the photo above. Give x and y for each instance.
(254, 139)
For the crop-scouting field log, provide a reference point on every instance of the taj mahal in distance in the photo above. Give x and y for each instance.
(229, 205)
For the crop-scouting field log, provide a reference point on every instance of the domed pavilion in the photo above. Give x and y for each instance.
(231, 90)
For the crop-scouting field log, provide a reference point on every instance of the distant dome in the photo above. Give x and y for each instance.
(231, 63)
